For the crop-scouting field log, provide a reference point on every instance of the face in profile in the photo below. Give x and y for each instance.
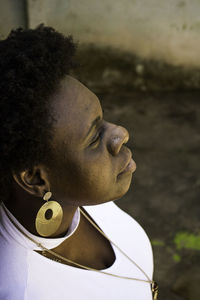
(90, 163)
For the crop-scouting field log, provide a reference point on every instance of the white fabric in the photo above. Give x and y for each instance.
(21, 239)
(27, 275)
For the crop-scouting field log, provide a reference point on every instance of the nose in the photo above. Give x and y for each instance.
(118, 136)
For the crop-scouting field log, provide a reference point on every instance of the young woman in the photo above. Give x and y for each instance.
(61, 167)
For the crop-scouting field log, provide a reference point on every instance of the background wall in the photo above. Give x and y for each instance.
(13, 14)
(159, 29)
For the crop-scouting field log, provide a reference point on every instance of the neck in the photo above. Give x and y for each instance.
(25, 207)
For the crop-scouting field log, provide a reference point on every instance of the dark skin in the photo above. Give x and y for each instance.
(87, 166)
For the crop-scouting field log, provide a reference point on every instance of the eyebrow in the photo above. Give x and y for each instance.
(94, 123)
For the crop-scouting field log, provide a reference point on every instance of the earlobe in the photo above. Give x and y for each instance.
(33, 181)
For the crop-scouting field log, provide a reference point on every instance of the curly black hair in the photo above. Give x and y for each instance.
(32, 64)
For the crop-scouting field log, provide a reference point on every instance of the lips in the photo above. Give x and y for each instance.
(130, 166)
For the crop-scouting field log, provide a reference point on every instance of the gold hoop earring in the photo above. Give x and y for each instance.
(49, 217)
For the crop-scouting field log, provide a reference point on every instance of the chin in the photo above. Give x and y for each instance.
(111, 193)
(123, 188)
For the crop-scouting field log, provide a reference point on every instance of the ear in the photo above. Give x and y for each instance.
(34, 180)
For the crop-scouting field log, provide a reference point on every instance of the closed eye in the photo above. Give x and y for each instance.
(97, 138)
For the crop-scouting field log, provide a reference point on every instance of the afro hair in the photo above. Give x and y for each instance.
(32, 64)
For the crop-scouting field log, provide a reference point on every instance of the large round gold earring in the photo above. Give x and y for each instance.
(49, 217)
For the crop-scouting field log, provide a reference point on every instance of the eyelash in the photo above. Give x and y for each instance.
(97, 137)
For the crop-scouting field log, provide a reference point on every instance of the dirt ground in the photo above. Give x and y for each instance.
(164, 196)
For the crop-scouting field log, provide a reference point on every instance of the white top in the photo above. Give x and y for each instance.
(27, 275)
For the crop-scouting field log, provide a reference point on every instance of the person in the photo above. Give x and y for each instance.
(62, 166)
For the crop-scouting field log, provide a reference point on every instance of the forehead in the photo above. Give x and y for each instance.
(75, 107)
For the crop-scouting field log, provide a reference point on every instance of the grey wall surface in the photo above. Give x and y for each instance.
(158, 29)
(166, 30)
(12, 14)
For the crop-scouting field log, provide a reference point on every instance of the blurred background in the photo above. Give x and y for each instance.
(142, 58)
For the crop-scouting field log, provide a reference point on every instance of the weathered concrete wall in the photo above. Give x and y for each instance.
(166, 30)
(153, 44)
(12, 14)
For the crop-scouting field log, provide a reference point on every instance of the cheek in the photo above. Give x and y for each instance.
(87, 178)
(90, 177)
(95, 174)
